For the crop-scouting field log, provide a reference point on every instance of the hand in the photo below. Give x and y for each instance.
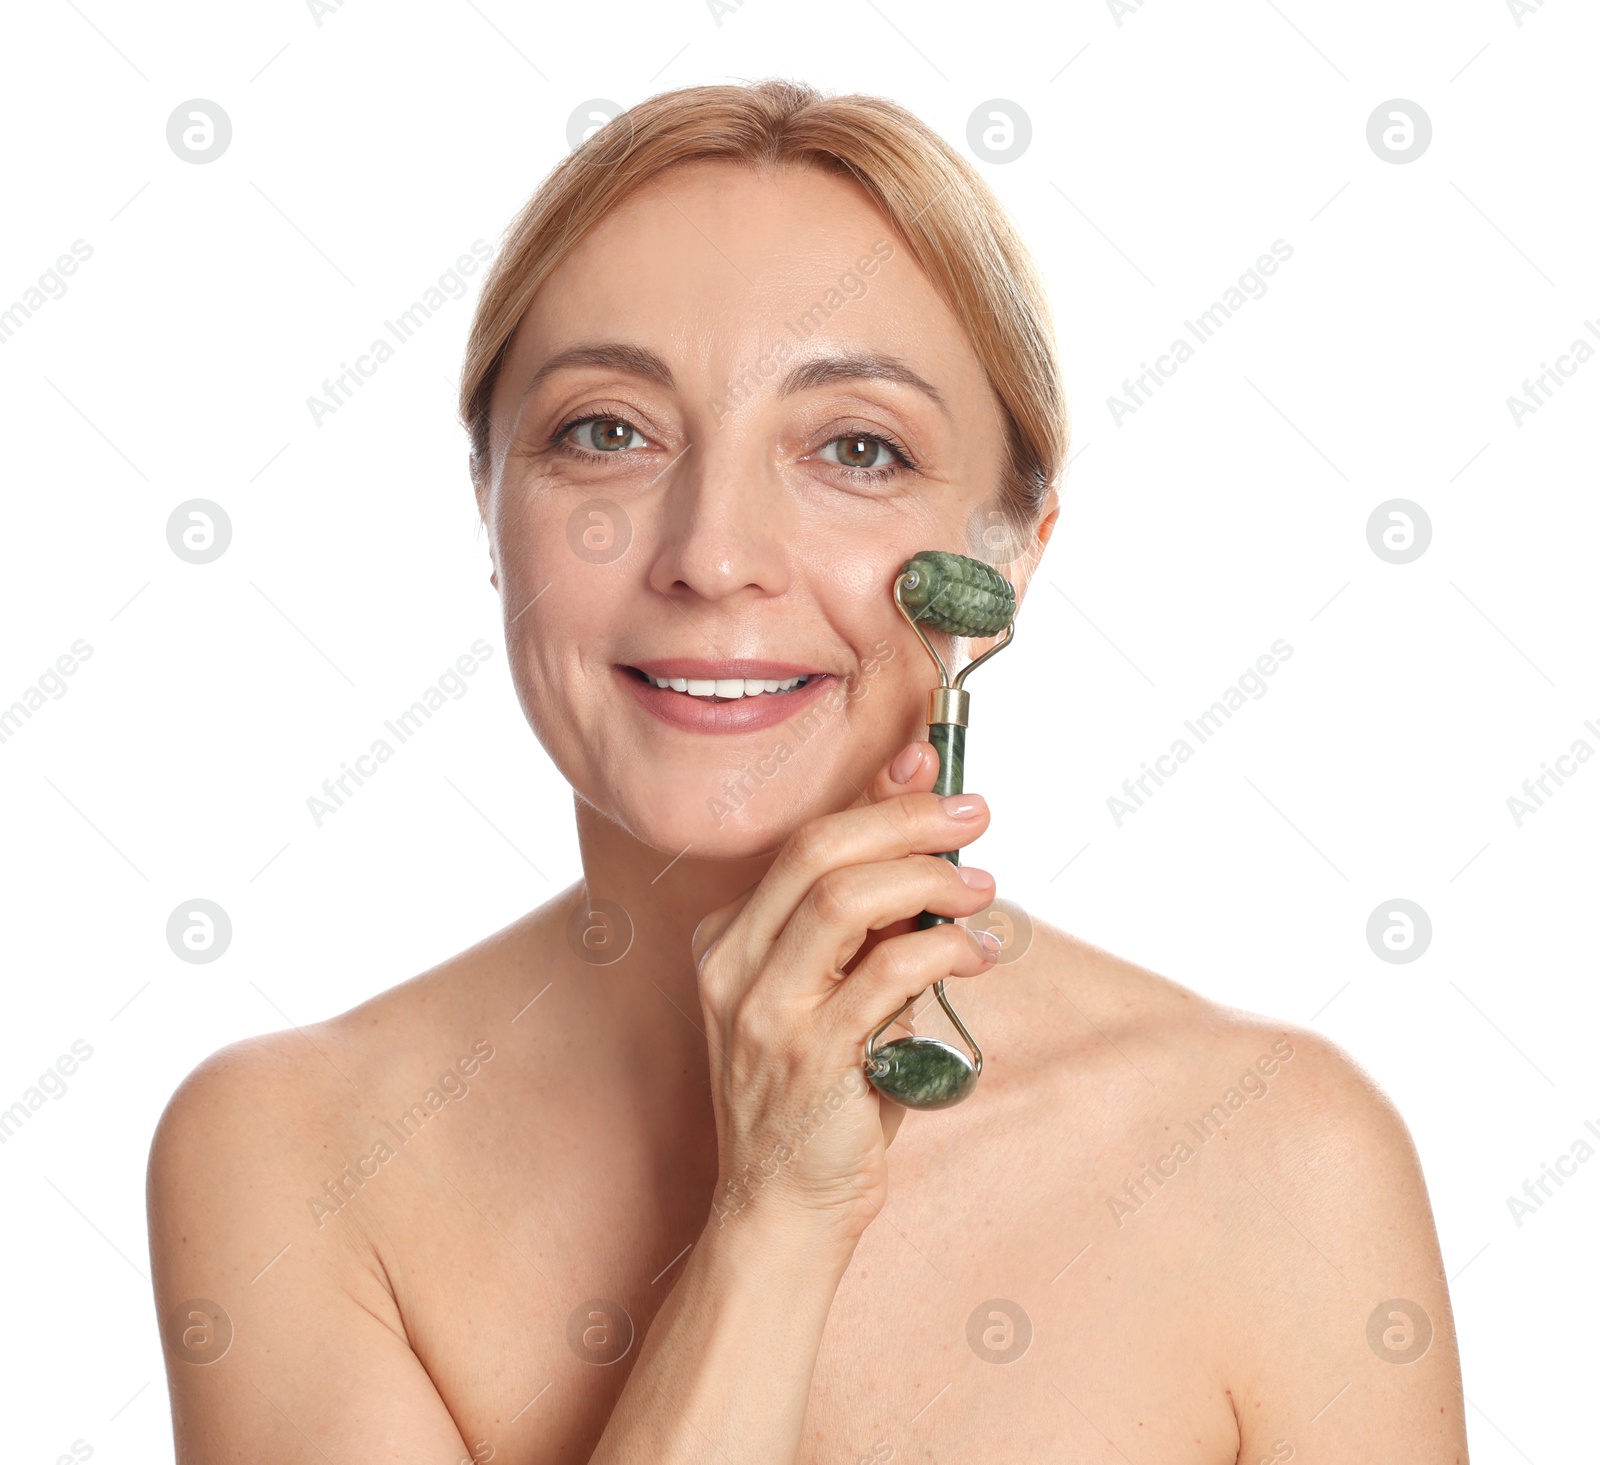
(800, 1132)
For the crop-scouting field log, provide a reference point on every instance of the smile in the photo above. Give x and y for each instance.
(723, 697)
(728, 689)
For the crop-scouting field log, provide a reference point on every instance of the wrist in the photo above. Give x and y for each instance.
(778, 1235)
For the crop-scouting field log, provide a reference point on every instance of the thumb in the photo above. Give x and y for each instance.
(913, 770)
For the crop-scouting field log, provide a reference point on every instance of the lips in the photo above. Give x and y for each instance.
(729, 689)
(747, 695)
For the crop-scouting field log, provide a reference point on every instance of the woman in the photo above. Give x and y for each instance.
(610, 1185)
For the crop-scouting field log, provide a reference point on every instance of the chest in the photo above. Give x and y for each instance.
(999, 1319)
(990, 1311)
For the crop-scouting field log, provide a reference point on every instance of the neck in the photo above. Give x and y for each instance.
(657, 899)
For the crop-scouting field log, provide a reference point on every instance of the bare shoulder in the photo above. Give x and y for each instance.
(1185, 1046)
(1260, 1161)
(1294, 1110)
(278, 1173)
(269, 1135)
(300, 1089)
(287, 1085)
(274, 1089)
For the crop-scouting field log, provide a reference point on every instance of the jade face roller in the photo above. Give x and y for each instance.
(962, 597)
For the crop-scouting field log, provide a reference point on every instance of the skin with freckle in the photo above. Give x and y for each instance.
(1160, 1230)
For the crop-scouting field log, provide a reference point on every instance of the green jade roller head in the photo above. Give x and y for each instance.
(961, 597)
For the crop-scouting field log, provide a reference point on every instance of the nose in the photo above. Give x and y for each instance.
(721, 535)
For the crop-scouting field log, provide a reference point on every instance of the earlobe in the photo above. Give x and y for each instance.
(1047, 525)
(480, 491)
(494, 564)
(1023, 576)
(480, 488)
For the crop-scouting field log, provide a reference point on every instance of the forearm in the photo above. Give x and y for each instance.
(726, 1369)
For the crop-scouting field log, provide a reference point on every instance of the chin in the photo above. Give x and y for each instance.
(738, 842)
(726, 820)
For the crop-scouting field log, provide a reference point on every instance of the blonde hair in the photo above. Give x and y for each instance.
(948, 218)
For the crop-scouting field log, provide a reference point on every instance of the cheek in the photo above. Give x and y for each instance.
(881, 712)
(559, 609)
(884, 705)
(555, 551)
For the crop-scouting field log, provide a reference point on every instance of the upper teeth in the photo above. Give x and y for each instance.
(728, 687)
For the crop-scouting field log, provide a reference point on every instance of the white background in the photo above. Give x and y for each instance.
(1168, 152)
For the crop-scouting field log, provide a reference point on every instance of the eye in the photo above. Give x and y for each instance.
(603, 434)
(861, 451)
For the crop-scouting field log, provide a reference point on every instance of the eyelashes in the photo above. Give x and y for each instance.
(561, 438)
(901, 459)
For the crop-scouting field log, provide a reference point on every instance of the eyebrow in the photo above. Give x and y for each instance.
(614, 355)
(828, 369)
(822, 371)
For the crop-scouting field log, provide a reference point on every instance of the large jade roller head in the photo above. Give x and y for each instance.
(954, 594)
(967, 598)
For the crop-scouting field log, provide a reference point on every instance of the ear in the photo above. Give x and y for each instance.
(1020, 571)
(480, 489)
(1023, 569)
(1047, 523)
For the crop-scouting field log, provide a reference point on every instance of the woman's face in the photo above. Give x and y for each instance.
(723, 424)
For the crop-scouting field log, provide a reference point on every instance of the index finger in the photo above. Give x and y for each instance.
(889, 818)
(912, 770)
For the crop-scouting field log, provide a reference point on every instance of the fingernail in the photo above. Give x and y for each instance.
(987, 942)
(906, 764)
(962, 806)
(973, 876)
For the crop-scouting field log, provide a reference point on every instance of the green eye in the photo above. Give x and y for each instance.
(608, 434)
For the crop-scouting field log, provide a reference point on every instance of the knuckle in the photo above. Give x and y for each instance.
(941, 870)
(713, 926)
(963, 943)
(914, 814)
(835, 897)
(748, 1023)
(894, 965)
(715, 974)
(811, 843)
